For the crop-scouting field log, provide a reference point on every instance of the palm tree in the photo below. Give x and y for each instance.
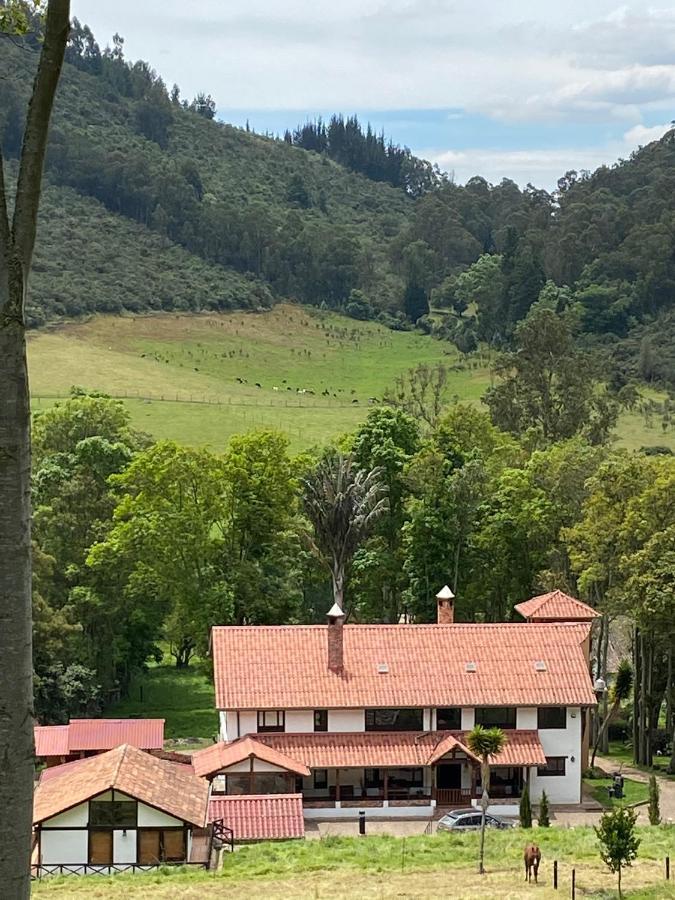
(623, 685)
(485, 743)
(343, 503)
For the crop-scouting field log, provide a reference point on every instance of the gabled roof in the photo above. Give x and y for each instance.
(222, 756)
(372, 749)
(169, 787)
(269, 817)
(556, 607)
(285, 667)
(98, 734)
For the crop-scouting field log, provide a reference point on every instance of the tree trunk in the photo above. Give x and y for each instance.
(16, 665)
(16, 669)
(637, 675)
(619, 873)
(604, 740)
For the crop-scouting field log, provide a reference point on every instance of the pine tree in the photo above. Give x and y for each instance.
(544, 821)
(525, 808)
(415, 301)
(654, 794)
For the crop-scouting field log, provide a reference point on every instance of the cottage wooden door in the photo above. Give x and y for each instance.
(100, 847)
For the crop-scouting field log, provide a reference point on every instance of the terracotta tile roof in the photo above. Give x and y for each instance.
(266, 817)
(371, 749)
(98, 734)
(285, 667)
(169, 787)
(556, 606)
(51, 740)
(221, 756)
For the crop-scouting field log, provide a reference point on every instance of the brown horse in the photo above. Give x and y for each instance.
(532, 857)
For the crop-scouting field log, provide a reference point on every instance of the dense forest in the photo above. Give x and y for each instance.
(216, 217)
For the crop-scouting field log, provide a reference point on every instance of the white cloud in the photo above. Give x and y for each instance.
(539, 167)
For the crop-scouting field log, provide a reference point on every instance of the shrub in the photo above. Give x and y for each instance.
(654, 793)
(544, 820)
(525, 809)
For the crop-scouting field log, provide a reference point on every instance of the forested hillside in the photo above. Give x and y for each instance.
(152, 204)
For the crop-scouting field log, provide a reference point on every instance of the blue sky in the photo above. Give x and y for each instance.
(499, 88)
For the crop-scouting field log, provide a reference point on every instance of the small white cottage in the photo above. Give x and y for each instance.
(121, 809)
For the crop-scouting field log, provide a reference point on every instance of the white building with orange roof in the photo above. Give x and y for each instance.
(377, 716)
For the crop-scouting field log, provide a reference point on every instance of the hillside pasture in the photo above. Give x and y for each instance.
(194, 378)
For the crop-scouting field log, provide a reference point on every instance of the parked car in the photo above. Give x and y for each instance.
(469, 820)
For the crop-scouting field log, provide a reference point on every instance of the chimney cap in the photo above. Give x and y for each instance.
(335, 612)
(445, 594)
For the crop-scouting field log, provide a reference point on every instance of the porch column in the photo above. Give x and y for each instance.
(337, 788)
(473, 781)
(386, 788)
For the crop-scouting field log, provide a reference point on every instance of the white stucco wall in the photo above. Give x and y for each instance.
(79, 816)
(526, 718)
(67, 847)
(468, 718)
(151, 818)
(124, 846)
(561, 742)
(300, 721)
(346, 720)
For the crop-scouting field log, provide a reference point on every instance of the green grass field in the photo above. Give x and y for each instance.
(180, 375)
(635, 791)
(184, 697)
(416, 867)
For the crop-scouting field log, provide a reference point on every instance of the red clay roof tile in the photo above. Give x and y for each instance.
(222, 756)
(285, 667)
(170, 787)
(98, 734)
(264, 817)
(554, 607)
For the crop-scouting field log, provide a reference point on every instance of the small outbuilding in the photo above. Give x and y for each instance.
(119, 810)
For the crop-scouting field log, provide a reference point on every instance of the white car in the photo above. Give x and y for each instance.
(469, 820)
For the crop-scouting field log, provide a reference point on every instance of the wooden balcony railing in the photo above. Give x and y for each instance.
(452, 796)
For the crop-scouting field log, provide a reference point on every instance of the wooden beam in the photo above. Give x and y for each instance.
(337, 785)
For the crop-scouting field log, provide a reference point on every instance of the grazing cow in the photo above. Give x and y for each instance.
(275, 388)
(257, 384)
(355, 401)
(532, 858)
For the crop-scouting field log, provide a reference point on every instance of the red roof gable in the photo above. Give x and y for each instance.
(266, 817)
(285, 667)
(222, 756)
(169, 787)
(556, 607)
(98, 734)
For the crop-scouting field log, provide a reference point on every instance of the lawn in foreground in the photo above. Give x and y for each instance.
(184, 697)
(437, 866)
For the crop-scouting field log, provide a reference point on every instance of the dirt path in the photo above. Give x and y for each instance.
(666, 787)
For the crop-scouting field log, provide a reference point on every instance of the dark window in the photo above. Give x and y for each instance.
(449, 719)
(393, 720)
(496, 716)
(372, 778)
(555, 765)
(113, 813)
(271, 720)
(320, 720)
(552, 717)
(320, 778)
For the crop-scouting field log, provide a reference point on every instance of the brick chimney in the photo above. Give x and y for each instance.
(336, 621)
(445, 606)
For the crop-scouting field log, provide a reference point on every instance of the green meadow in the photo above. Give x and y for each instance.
(194, 378)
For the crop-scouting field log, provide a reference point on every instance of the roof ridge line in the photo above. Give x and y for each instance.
(122, 757)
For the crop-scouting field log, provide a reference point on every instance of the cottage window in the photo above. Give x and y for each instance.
(555, 765)
(552, 717)
(372, 778)
(496, 716)
(449, 719)
(271, 720)
(113, 813)
(320, 778)
(320, 720)
(393, 720)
